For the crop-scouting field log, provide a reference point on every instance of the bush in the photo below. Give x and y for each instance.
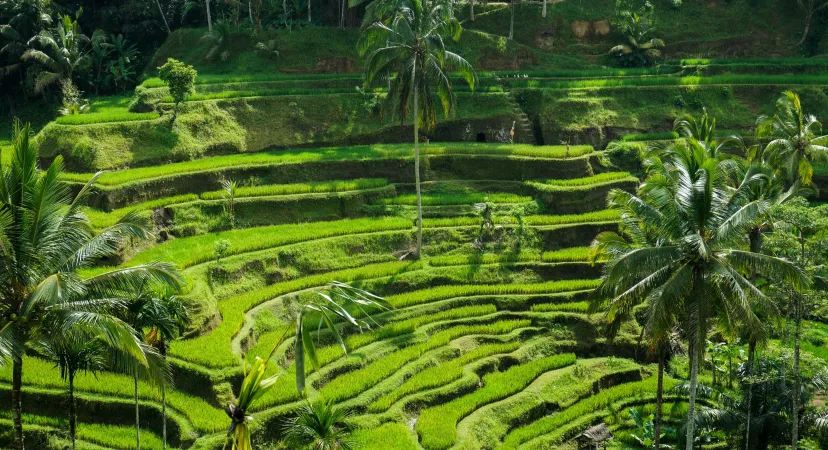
(179, 78)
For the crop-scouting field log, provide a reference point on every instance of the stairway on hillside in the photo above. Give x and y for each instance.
(524, 132)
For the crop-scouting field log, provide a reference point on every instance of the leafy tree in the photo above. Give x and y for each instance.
(410, 44)
(46, 240)
(25, 19)
(60, 52)
(329, 308)
(72, 352)
(799, 234)
(809, 8)
(637, 26)
(180, 78)
(320, 426)
(796, 139)
(693, 268)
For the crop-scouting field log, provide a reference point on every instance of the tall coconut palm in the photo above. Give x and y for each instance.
(410, 44)
(173, 318)
(73, 352)
(796, 139)
(46, 239)
(320, 426)
(60, 52)
(157, 316)
(697, 269)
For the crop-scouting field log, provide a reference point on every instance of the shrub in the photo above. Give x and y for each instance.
(179, 77)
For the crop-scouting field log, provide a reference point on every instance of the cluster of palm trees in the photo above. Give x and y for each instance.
(118, 320)
(689, 249)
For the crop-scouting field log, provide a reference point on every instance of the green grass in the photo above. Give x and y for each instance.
(440, 374)
(106, 109)
(213, 349)
(593, 180)
(300, 188)
(352, 383)
(186, 252)
(379, 151)
(605, 215)
(553, 428)
(101, 219)
(638, 137)
(445, 292)
(437, 425)
(456, 199)
(778, 80)
(39, 373)
(388, 436)
(563, 255)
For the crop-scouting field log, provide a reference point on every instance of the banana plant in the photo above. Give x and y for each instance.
(339, 306)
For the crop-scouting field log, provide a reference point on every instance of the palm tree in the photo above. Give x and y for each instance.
(26, 18)
(156, 319)
(410, 44)
(61, 52)
(695, 269)
(46, 239)
(327, 308)
(796, 139)
(73, 352)
(640, 49)
(320, 426)
(173, 319)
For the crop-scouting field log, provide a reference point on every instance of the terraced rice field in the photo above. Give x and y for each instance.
(484, 347)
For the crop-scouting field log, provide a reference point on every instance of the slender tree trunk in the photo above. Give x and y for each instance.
(284, 9)
(17, 402)
(471, 10)
(164, 414)
(73, 415)
(543, 14)
(795, 399)
(512, 20)
(694, 379)
(166, 25)
(162, 349)
(659, 397)
(802, 41)
(309, 11)
(250, 13)
(417, 175)
(342, 15)
(751, 354)
(137, 415)
(209, 18)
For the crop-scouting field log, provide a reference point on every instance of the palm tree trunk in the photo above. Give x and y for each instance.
(802, 41)
(209, 18)
(250, 12)
(795, 399)
(167, 26)
(659, 398)
(694, 379)
(512, 20)
(417, 175)
(309, 11)
(17, 402)
(164, 414)
(73, 416)
(543, 14)
(284, 10)
(342, 15)
(751, 354)
(137, 415)
(471, 10)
